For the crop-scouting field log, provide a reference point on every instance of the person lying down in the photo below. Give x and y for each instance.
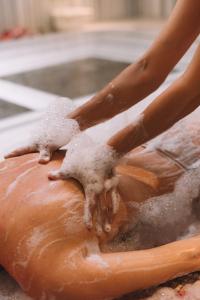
(68, 238)
(61, 126)
(47, 248)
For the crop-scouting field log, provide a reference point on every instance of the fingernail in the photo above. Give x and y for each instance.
(89, 226)
(107, 228)
(51, 176)
(43, 160)
(99, 230)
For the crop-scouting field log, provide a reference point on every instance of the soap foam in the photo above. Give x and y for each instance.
(88, 161)
(164, 219)
(173, 216)
(97, 260)
(185, 292)
(167, 217)
(55, 128)
(182, 141)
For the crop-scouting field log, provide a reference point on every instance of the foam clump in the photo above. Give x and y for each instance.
(172, 216)
(181, 144)
(97, 260)
(185, 292)
(55, 128)
(88, 161)
(165, 218)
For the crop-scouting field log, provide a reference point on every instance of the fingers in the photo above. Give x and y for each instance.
(99, 220)
(90, 202)
(101, 209)
(110, 201)
(45, 155)
(115, 201)
(111, 185)
(21, 151)
(57, 175)
(106, 210)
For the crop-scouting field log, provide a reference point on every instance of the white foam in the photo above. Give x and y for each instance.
(187, 292)
(55, 129)
(168, 217)
(88, 161)
(110, 97)
(37, 236)
(181, 141)
(173, 216)
(97, 260)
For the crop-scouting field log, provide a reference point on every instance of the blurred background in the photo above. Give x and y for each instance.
(47, 15)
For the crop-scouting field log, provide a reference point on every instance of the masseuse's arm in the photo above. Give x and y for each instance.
(132, 85)
(175, 103)
(98, 161)
(143, 77)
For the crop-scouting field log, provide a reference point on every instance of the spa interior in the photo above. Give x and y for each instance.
(72, 49)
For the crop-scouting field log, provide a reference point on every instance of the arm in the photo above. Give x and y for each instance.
(143, 77)
(175, 103)
(132, 85)
(98, 161)
(137, 270)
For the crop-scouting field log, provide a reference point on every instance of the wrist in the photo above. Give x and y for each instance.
(76, 116)
(129, 138)
(54, 128)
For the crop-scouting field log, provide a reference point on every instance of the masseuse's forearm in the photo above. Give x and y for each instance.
(142, 78)
(164, 112)
(180, 99)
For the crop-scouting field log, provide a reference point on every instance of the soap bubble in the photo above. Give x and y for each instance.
(55, 128)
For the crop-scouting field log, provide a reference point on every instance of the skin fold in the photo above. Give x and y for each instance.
(45, 246)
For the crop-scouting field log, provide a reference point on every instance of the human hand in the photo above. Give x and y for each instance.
(53, 131)
(92, 164)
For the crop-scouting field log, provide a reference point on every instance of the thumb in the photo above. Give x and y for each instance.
(45, 155)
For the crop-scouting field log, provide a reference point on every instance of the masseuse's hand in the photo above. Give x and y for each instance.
(92, 164)
(53, 131)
